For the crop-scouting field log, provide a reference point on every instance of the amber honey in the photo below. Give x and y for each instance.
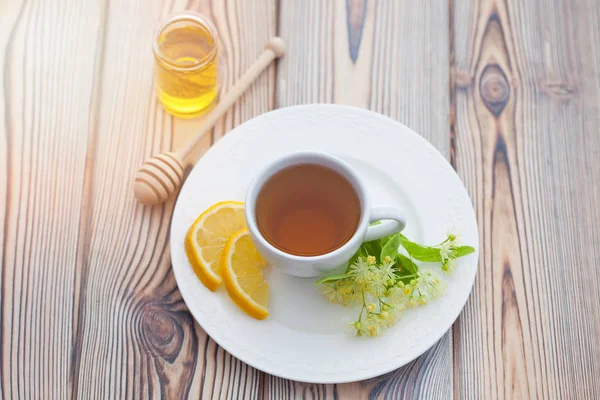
(186, 56)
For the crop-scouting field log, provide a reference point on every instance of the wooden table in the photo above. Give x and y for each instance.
(508, 91)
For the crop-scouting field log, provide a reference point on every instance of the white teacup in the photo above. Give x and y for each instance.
(392, 219)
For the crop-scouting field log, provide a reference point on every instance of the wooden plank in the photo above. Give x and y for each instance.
(8, 22)
(136, 338)
(527, 97)
(48, 61)
(391, 57)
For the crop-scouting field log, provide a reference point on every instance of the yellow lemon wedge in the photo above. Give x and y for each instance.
(242, 268)
(206, 239)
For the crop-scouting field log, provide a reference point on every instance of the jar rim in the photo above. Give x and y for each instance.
(186, 16)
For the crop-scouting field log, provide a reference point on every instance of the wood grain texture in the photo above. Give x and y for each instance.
(390, 57)
(46, 94)
(508, 90)
(527, 95)
(90, 307)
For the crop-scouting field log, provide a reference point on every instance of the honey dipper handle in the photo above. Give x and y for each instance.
(274, 48)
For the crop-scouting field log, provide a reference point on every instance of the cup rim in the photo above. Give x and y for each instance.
(305, 157)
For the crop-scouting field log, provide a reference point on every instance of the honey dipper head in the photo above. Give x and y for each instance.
(159, 178)
(276, 44)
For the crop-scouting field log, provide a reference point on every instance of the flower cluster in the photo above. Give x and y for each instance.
(385, 282)
(449, 251)
(383, 295)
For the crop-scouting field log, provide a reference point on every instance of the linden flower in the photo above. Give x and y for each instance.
(448, 247)
(386, 317)
(387, 270)
(454, 237)
(340, 292)
(371, 260)
(355, 297)
(332, 293)
(357, 328)
(386, 320)
(449, 266)
(373, 325)
(428, 287)
(396, 312)
(352, 294)
(447, 251)
(398, 298)
(361, 270)
(377, 283)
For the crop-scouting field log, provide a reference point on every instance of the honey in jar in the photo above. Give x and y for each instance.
(185, 49)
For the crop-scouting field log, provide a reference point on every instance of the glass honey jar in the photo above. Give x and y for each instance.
(186, 53)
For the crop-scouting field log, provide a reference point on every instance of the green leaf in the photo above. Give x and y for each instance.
(372, 248)
(390, 249)
(409, 268)
(408, 265)
(464, 250)
(331, 278)
(420, 252)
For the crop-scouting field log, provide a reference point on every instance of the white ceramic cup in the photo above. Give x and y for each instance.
(392, 219)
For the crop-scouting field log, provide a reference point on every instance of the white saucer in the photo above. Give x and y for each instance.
(304, 336)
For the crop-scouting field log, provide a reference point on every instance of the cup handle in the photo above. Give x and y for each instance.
(385, 228)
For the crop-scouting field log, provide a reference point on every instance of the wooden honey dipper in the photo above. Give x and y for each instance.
(162, 175)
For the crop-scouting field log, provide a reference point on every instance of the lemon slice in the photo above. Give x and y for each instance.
(206, 239)
(242, 268)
